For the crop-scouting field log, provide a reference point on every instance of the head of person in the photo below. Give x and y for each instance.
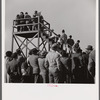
(35, 51)
(18, 51)
(36, 12)
(78, 41)
(63, 31)
(17, 16)
(89, 49)
(21, 13)
(8, 54)
(54, 46)
(14, 55)
(30, 52)
(70, 36)
(26, 13)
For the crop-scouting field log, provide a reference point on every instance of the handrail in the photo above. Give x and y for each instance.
(49, 29)
(25, 18)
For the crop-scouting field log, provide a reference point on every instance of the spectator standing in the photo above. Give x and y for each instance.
(91, 65)
(63, 40)
(28, 21)
(77, 45)
(26, 72)
(43, 69)
(52, 62)
(70, 43)
(13, 69)
(8, 58)
(66, 67)
(33, 61)
(22, 21)
(17, 22)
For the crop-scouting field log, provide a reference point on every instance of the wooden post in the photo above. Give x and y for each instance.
(26, 47)
(12, 37)
(38, 32)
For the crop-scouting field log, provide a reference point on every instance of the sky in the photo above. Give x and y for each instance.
(77, 17)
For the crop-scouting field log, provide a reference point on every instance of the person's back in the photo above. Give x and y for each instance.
(33, 60)
(63, 38)
(52, 56)
(41, 62)
(53, 62)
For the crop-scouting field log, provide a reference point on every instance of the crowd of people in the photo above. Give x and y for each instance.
(64, 63)
(25, 18)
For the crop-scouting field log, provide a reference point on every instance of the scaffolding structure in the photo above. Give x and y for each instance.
(42, 33)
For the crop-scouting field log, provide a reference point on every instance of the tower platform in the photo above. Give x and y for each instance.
(26, 34)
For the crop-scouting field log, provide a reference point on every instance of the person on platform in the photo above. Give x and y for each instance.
(17, 22)
(52, 62)
(28, 21)
(8, 58)
(35, 21)
(33, 61)
(43, 69)
(63, 40)
(70, 43)
(22, 21)
(77, 45)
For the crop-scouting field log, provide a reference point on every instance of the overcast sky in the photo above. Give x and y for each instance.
(77, 17)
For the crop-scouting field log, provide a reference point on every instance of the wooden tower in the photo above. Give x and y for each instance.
(40, 31)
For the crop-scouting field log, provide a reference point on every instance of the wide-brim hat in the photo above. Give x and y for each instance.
(89, 47)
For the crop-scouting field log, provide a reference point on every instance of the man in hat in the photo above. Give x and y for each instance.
(91, 65)
(63, 40)
(33, 61)
(52, 62)
(8, 58)
(89, 49)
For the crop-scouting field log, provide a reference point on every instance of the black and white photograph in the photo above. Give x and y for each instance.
(50, 42)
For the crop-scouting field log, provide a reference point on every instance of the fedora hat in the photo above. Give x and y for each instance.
(89, 47)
